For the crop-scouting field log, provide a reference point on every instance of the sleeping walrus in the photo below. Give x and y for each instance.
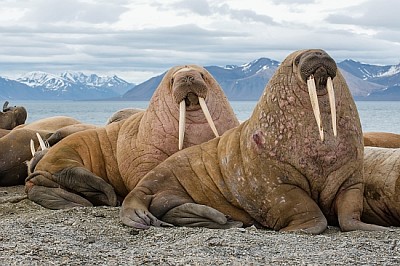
(12, 116)
(382, 186)
(96, 166)
(288, 167)
(382, 139)
(15, 146)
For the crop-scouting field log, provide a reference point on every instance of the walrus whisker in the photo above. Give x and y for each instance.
(332, 102)
(204, 107)
(41, 142)
(312, 91)
(182, 123)
(32, 145)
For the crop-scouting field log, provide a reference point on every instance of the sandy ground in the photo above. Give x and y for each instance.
(32, 235)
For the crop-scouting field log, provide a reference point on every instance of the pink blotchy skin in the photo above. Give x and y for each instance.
(273, 170)
(100, 166)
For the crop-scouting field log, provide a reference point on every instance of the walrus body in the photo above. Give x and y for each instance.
(382, 186)
(123, 114)
(98, 166)
(382, 139)
(279, 169)
(15, 146)
(12, 116)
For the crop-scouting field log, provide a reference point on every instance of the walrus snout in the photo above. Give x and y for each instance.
(188, 81)
(317, 63)
(190, 90)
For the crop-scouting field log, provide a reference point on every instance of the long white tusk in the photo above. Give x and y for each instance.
(41, 142)
(208, 116)
(332, 102)
(182, 123)
(32, 148)
(312, 91)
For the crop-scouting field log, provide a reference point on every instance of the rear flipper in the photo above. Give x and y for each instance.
(197, 215)
(70, 187)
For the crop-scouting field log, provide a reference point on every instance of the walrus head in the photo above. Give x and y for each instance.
(12, 116)
(38, 154)
(190, 90)
(317, 69)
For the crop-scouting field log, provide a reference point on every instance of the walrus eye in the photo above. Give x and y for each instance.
(172, 80)
(297, 60)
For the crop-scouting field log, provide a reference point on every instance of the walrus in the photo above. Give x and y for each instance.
(15, 146)
(295, 165)
(382, 139)
(123, 114)
(382, 186)
(100, 166)
(12, 116)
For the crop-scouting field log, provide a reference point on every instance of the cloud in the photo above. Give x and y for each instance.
(372, 14)
(135, 38)
(42, 11)
(200, 7)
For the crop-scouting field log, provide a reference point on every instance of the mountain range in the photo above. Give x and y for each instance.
(67, 86)
(245, 82)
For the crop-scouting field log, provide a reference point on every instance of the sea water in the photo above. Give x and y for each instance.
(374, 115)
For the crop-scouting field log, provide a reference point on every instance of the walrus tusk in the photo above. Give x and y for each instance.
(312, 91)
(41, 142)
(332, 102)
(32, 148)
(182, 122)
(208, 116)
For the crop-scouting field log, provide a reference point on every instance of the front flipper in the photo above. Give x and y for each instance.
(135, 214)
(197, 215)
(349, 208)
(92, 187)
(68, 188)
(56, 198)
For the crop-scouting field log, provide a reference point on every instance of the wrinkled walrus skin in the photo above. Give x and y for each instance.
(382, 139)
(382, 186)
(276, 170)
(100, 166)
(12, 116)
(15, 146)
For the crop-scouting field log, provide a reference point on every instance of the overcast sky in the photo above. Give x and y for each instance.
(139, 39)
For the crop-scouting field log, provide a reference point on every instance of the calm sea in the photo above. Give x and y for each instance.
(375, 116)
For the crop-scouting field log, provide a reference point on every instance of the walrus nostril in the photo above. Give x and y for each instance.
(188, 79)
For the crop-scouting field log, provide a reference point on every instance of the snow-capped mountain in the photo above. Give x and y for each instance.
(239, 82)
(42, 79)
(247, 81)
(75, 85)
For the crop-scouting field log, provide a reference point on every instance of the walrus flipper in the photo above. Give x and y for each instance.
(56, 198)
(134, 214)
(349, 215)
(197, 215)
(84, 182)
(71, 187)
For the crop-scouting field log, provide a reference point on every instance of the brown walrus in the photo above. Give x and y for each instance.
(287, 167)
(12, 116)
(97, 166)
(382, 139)
(15, 146)
(382, 186)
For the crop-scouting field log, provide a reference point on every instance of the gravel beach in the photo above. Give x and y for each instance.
(33, 235)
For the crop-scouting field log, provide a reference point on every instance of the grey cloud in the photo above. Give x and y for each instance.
(73, 11)
(244, 15)
(371, 14)
(200, 7)
(278, 2)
